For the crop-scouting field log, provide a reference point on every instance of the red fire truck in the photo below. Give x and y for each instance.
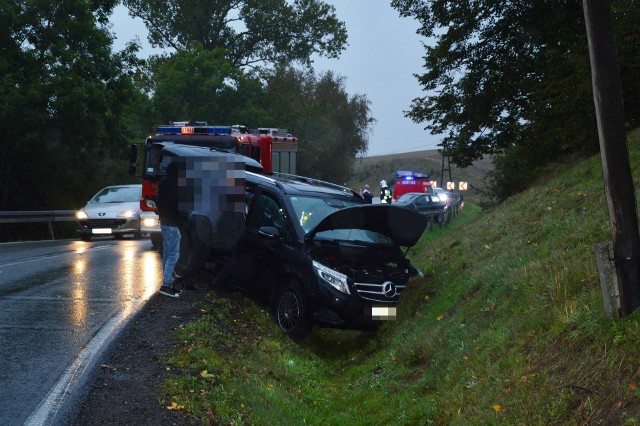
(275, 149)
(407, 181)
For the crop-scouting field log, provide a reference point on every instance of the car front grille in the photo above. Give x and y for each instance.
(386, 292)
(103, 223)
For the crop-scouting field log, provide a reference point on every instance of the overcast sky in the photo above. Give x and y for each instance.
(383, 54)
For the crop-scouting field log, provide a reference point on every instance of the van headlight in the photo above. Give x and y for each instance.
(334, 278)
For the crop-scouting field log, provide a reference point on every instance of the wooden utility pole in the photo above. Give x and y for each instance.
(448, 168)
(618, 182)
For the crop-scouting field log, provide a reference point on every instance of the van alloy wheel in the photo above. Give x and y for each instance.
(291, 313)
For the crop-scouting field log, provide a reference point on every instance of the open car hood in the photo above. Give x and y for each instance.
(402, 225)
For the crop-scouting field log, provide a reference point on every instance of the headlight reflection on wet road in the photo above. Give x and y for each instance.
(135, 275)
(151, 272)
(127, 271)
(138, 277)
(78, 313)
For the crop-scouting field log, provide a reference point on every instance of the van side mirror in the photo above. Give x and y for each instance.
(133, 159)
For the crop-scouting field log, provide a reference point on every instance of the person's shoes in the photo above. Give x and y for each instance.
(177, 290)
(177, 279)
(168, 291)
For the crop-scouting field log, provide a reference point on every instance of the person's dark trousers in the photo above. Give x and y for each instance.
(225, 272)
(200, 237)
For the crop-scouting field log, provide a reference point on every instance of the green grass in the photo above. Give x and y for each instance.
(507, 326)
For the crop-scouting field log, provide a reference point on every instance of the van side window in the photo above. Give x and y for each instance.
(267, 211)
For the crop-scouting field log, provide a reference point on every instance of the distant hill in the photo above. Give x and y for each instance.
(373, 169)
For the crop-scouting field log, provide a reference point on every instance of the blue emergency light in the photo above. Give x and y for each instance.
(194, 130)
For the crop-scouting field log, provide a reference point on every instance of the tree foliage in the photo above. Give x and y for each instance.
(209, 76)
(249, 31)
(332, 126)
(63, 93)
(501, 75)
(195, 84)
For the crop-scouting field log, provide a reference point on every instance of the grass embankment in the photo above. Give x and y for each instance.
(506, 327)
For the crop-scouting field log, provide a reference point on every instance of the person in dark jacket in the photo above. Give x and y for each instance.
(167, 203)
(366, 195)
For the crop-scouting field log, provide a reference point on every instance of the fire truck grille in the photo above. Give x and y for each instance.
(103, 223)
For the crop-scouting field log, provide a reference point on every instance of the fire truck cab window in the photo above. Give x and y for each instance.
(155, 163)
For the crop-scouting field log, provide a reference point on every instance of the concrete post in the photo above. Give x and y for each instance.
(608, 279)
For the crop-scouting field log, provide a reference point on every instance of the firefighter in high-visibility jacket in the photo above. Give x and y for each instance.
(385, 193)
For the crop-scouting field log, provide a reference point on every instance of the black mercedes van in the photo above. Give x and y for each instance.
(321, 256)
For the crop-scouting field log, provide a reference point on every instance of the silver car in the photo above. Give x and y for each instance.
(115, 210)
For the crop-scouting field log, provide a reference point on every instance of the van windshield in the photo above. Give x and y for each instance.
(310, 211)
(355, 236)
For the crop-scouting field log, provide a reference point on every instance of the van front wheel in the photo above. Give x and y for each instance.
(291, 313)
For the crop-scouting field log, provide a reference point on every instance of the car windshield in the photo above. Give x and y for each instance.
(118, 194)
(310, 211)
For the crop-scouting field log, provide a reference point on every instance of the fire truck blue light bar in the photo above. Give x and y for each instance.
(197, 130)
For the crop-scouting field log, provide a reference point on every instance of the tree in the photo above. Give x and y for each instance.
(249, 31)
(199, 84)
(63, 92)
(193, 84)
(332, 127)
(513, 74)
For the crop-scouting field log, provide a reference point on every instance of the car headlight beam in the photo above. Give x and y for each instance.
(150, 222)
(128, 213)
(335, 279)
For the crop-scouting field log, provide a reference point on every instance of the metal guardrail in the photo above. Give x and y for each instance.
(455, 206)
(48, 216)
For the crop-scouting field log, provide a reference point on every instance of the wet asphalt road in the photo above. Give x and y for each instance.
(60, 304)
